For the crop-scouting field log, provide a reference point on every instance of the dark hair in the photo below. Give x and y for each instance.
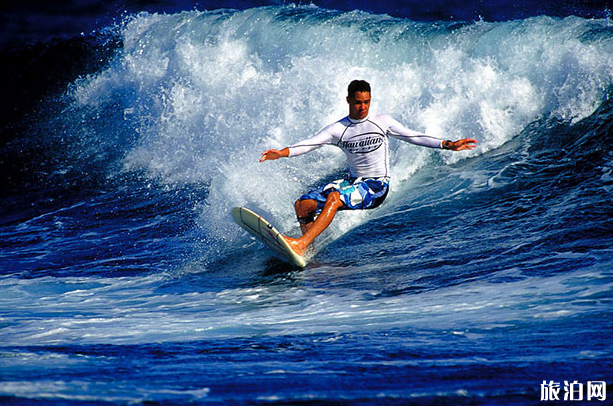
(357, 86)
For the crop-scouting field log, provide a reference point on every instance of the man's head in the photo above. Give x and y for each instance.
(358, 97)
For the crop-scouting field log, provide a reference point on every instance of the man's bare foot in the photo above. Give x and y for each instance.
(297, 246)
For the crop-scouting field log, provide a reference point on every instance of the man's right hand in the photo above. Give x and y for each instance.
(273, 154)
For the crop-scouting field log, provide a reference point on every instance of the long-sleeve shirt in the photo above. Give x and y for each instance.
(365, 143)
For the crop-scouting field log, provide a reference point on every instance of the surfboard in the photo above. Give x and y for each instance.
(263, 231)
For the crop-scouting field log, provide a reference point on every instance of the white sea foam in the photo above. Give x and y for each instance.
(207, 92)
(131, 311)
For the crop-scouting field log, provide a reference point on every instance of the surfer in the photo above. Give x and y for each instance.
(364, 140)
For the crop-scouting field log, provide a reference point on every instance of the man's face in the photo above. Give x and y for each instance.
(359, 105)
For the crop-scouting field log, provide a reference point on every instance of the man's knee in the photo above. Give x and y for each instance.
(305, 207)
(334, 198)
(305, 210)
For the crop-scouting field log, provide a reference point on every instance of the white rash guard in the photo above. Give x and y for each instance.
(365, 143)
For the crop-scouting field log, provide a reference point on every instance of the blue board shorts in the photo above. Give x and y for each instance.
(355, 193)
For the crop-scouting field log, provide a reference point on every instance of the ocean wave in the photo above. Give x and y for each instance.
(193, 98)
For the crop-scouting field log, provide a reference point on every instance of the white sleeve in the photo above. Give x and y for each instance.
(324, 137)
(399, 131)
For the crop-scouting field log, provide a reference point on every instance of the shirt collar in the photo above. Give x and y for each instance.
(357, 121)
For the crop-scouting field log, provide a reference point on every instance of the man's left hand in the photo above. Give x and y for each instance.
(459, 145)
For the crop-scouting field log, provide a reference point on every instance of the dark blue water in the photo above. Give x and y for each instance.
(127, 137)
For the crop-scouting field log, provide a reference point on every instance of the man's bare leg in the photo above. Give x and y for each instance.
(315, 228)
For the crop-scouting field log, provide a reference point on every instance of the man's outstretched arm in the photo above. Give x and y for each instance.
(396, 129)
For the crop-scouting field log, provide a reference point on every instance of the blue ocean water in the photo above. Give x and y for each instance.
(124, 281)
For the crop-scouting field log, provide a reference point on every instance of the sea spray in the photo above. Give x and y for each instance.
(207, 92)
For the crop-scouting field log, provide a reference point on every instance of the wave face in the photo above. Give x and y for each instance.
(203, 94)
(119, 256)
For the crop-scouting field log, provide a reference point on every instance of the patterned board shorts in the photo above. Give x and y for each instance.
(356, 193)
